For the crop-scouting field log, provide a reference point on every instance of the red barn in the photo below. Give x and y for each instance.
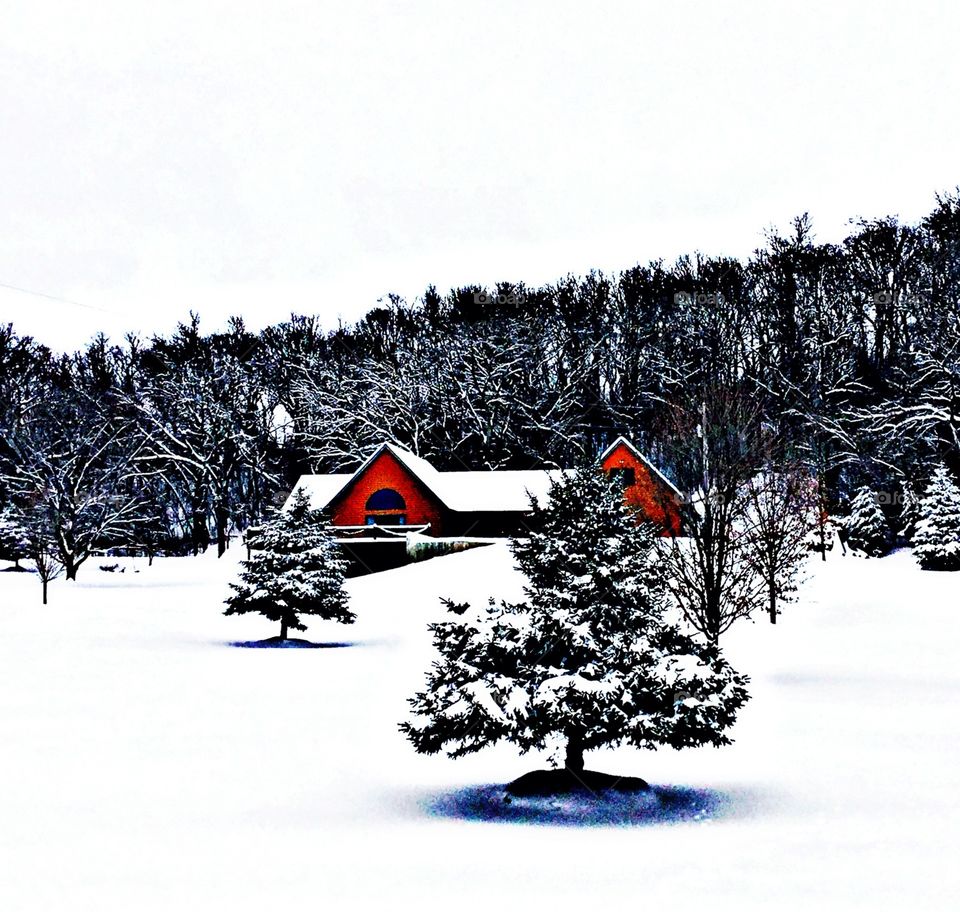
(394, 493)
(396, 490)
(645, 488)
(387, 491)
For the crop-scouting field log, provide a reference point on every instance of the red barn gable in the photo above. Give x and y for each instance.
(645, 488)
(384, 491)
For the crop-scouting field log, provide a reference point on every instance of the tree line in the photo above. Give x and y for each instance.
(836, 359)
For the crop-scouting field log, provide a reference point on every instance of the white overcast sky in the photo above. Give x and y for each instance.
(263, 158)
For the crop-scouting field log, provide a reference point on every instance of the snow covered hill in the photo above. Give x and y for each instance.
(148, 764)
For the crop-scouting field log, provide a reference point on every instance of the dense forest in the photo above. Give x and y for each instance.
(841, 358)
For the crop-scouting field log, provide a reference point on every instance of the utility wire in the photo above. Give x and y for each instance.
(40, 294)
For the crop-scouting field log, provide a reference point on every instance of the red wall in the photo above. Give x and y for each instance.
(649, 495)
(386, 472)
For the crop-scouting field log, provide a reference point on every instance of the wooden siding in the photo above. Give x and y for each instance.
(648, 494)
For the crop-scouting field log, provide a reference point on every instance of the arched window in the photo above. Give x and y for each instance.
(386, 499)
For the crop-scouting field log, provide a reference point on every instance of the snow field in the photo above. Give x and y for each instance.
(147, 764)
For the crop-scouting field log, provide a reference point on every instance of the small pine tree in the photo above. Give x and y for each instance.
(909, 513)
(588, 660)
(936, 536)
(14, 538)
(866, 526)
(820, 538)
(295, 568)
(825, 526)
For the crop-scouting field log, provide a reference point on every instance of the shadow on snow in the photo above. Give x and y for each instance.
(661, 804)
(289, 643)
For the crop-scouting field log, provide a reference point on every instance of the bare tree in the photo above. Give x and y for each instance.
(708, 570)
(205, 438)
(39, 546)
(73, 465)
(488, 399)
(781, 507)
(709, 573)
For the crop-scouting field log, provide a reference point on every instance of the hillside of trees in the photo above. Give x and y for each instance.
(841, 358)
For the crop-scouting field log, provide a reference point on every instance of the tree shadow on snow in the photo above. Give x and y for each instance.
(661, 804)
(288, 643)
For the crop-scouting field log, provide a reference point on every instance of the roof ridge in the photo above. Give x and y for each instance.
(626, 441)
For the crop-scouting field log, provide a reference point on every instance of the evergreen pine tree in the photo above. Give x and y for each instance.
(820, 538)
(866, 526)
(909, 513)
(295, 568)
(936, 538)
(588, 659)
(14, 540)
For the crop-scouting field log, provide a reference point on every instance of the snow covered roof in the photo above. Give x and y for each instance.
(321, 489)
(490, 490)
(494, 490)
(467, 492)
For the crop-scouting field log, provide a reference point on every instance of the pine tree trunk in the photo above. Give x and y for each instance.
(44, 592)
(574, 758)
(283, 629)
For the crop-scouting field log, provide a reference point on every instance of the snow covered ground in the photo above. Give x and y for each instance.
(148, 764)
